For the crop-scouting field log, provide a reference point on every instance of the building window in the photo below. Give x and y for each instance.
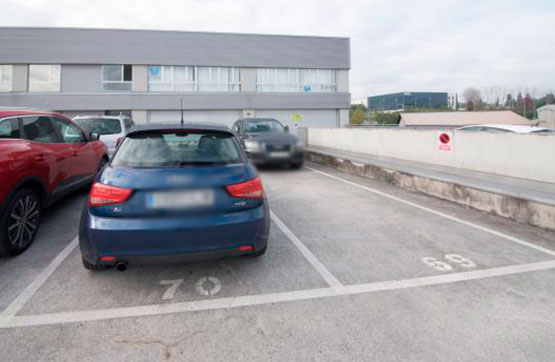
(277, 80)
(168, 78)
(295, 80)
(6, 75)
(317, 80)
(218, 79)
(117, 77)
(44, 77)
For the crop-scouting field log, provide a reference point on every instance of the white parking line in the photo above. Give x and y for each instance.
(439, 213)
(18, 303)
(251, 300)
(317, 264)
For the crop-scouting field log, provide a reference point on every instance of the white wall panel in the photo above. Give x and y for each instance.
(226, 117)
(515, 155)
(313, 118)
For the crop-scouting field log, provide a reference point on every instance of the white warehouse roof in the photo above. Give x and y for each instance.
(462, 118)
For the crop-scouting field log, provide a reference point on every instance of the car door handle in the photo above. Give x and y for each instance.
(39, 158)
(74, 153)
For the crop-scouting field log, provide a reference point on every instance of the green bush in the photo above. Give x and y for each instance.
(358, 114)
(385, 118)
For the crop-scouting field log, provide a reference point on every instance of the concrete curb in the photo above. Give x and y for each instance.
(516, 208)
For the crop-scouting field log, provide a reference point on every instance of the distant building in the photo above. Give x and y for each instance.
(406, 100)
(459, 119)
(453, 101)
(546, 116)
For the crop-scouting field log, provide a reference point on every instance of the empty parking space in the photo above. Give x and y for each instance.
(365, 237)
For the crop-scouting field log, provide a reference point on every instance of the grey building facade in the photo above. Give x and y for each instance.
(300, 80)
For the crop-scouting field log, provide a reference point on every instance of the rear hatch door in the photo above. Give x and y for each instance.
(180, 172)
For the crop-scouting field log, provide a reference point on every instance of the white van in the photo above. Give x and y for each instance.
(109, 128)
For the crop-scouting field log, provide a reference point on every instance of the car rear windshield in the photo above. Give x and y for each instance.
(100, 126)
(175, 149)
(262, 125)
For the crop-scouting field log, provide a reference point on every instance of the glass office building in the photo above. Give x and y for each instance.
(407, 100)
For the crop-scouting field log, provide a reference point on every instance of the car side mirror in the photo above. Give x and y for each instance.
(287, 129)
(94, 136)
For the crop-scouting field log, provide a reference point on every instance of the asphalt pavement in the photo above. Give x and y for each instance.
(356, 270)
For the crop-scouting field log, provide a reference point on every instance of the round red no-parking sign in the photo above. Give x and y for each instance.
(444, 138)
(444, 141)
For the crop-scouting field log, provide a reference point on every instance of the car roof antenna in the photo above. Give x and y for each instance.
(181, 108)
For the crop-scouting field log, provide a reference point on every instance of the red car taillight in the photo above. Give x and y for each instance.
(102, 194)
(251, 189)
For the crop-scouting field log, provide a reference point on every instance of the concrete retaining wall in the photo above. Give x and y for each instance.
(526, 211)
(515, 155)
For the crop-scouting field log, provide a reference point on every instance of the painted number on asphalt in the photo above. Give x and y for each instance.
(170, 292)
(436, 264)
(461, 260)
(206, 286)
(445, 266)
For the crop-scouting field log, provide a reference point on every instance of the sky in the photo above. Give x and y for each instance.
(497, 46)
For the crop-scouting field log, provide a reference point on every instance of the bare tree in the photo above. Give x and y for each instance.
(473, 99)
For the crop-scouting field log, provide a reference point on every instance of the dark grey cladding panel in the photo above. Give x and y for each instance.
(161, 101)
(109, 46)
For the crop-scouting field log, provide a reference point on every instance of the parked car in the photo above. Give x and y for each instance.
(505, 128)
(174, 192)
(109, 128)
(267, 141)
(43, 156)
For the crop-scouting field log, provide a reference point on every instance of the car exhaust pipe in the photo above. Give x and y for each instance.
(121, 266)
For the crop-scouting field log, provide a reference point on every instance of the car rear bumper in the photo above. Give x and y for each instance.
(156, 240)
(263, 158)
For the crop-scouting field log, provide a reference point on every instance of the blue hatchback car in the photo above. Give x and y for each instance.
(174, 193)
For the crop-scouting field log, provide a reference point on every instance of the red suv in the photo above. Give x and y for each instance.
(43, 156)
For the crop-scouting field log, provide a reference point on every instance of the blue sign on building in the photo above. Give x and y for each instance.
(154, 70)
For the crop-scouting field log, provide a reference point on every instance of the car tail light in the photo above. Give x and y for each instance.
(107, 258)
(102, 194)
(245, 248)
(251, 189)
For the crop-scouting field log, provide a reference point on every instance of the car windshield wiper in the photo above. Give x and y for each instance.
(202, 163)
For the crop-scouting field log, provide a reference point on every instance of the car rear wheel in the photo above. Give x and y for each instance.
(91, 266)
(297, 166)
(20, 222)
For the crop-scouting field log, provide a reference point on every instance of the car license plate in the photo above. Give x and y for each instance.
(280, 154)
(180, 199)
